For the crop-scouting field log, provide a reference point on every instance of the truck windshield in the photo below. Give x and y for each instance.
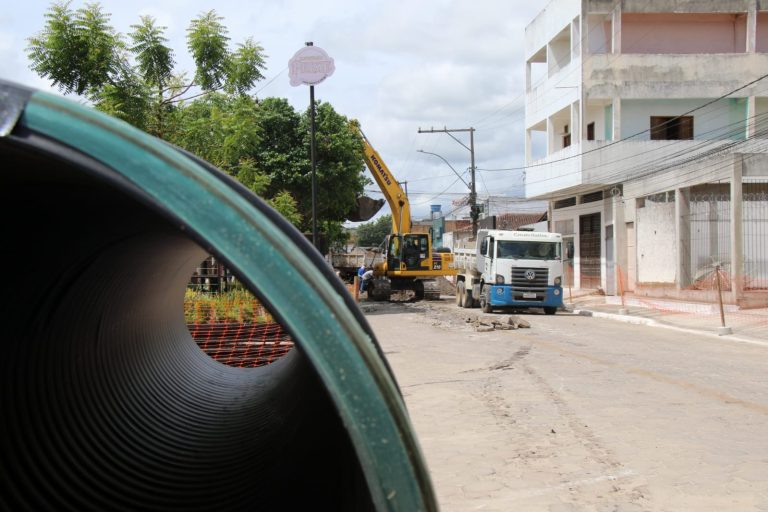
(528, 250)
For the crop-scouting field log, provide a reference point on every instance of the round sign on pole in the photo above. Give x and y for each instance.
(310, 66)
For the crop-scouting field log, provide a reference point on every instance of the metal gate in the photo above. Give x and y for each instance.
(710, 227)
(589, 250)
(755, 216)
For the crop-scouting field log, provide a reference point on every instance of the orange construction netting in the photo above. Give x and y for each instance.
(237, 332)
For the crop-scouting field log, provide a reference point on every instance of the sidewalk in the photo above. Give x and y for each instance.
(745, 325)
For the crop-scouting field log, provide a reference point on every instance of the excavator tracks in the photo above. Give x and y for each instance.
(379, 290)
(431, 289)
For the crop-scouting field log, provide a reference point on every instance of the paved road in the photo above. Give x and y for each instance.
(581, 414)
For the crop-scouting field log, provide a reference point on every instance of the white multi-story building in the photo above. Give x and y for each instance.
(647, 133)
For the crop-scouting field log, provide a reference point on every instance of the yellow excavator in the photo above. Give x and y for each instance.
(411, 261)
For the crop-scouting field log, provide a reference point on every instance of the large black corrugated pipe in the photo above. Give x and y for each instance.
(106, 402)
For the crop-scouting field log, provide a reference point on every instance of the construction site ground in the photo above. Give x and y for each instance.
(594, 409)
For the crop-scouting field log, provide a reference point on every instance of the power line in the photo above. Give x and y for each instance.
(270, 81)
(627, 139)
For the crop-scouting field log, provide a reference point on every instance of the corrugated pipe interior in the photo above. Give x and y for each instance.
(106, 402)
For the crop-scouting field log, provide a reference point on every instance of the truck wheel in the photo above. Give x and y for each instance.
(468, 300)
(550, 311)
(460, 294)
(485, 300)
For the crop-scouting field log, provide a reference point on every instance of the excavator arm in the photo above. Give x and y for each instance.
(411, 263)
(393, 192)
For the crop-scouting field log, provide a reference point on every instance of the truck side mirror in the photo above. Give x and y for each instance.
(569, 252)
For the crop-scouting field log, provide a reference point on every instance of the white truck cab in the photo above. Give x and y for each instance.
(511, 270)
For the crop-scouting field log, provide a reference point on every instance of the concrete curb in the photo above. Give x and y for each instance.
(655, 323)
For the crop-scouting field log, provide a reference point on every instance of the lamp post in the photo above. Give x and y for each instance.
(473, 212)
(446, 163)
(310, 66)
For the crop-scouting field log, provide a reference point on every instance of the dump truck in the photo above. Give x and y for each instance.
(510, 270)
(347, 264)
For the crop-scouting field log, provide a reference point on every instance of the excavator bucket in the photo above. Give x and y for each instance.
(366, 208)
(107, 402)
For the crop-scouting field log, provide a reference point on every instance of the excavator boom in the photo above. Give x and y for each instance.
(393, 192)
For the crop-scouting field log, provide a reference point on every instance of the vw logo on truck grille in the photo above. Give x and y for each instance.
(530, 275)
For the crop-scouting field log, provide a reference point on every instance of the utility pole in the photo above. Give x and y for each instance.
(473, 211)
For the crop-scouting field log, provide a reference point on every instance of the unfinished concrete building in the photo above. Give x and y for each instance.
(647, 133)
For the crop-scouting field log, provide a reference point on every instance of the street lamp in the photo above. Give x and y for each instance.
(446, 163)
(471, 149)
(472, 195)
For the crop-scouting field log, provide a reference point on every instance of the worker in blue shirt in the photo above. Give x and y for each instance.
(367, 276)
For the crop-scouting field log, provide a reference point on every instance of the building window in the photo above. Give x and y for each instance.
(592, 197)
(566, 137)
(591, 131)
(671, 128)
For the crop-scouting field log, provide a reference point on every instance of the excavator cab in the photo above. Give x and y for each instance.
(416, 251)
(408, 252)
(394, 252)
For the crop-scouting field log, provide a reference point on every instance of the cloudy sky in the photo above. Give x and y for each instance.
(400, 66)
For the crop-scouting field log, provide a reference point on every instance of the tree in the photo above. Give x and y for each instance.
(219, 129)
(372, 234)
(284, 203)
(281, 152)
(340, 167)
(78, 50)
(263, 144)
(135, 81)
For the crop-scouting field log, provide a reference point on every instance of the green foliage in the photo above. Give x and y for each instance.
(284, 203)
(155, 60)
(129, 98)
(244, 67)
(337, 236)
(238, 306)
(78, 50)
(249, 175)
(340, 177)
(270, 139)
(372, 234)
(265, 145)
(221, 130)
(81, 53)
(207, 42)
(282, 153)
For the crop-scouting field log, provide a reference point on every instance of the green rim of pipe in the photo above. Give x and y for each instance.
(339, 349)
